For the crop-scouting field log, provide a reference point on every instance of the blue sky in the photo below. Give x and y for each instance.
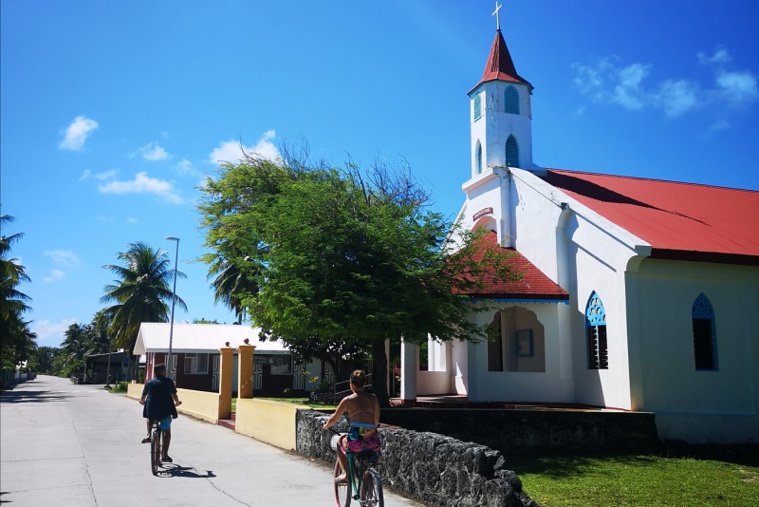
(114, 112)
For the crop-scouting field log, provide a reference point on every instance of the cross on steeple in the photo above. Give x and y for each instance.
(496, 14)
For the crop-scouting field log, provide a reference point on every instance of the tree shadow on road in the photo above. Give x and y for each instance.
(30, 396)
(173, 470)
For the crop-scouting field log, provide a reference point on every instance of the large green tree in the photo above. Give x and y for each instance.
(142, 292)
(17, 342)
(338, 261)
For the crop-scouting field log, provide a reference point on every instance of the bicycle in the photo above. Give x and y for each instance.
(156, 447)
(363, 484)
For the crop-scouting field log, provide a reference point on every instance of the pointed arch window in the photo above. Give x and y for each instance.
(512, 152)
(595, 333)
(511, 99)
(479, 158)
(704, 339)
(477, 106)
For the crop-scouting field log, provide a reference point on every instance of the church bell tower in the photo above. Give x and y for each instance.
(500, 114)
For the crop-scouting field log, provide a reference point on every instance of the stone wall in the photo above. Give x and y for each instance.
(432, 468)
(513, 429)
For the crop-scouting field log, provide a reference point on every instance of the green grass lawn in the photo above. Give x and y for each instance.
(684, 477)
(297, 401)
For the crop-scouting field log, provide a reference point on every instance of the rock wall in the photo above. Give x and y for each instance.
(508, 430)
(432, 468)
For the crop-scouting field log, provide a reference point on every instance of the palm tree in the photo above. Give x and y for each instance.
(141, 294)
(16, 340)
(74, 344)
(227, 286)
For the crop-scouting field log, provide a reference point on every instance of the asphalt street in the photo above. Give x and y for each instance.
(64, 445)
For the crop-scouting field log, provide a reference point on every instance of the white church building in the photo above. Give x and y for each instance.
(637, 294)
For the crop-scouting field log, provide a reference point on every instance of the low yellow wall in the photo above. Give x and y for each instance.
(199, 404)
(134, 390)
(271, 422)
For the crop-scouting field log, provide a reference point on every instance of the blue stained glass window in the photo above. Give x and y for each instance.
(595, 333)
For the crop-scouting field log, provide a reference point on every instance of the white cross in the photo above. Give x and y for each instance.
(497, 17)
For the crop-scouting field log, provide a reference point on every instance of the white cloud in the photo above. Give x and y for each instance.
(51, 334)
(720, 56)
(677, 97)
(153, 152)
(718, 125)
(77, 133)
(142, 184)
(185, 168)
(106, 175)
(609, 82)
(55, 275)
(628, 92)
(738, 88)
(233, 152)
(64, 258)
(131, 220)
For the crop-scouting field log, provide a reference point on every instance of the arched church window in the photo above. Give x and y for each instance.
(511, 99)
(595, 333)
(512, 152)
(479, 158)
(477, 106)
(704, 339)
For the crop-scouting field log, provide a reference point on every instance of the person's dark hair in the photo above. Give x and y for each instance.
(358, 378)
(159, 368)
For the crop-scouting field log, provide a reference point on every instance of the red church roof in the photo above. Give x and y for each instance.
(533, 285)
(682, 221)
(500, 66)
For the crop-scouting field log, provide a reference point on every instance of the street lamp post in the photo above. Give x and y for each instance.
(173, 303)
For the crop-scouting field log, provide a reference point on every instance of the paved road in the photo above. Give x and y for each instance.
(77, 445)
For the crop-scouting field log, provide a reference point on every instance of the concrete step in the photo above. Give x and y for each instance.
(227, 423)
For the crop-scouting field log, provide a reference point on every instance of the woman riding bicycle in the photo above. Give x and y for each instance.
(362, 411)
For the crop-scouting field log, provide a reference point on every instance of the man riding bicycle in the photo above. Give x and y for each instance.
(159, 397)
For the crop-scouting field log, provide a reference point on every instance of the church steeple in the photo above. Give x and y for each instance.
(500, 66)
(501, 117)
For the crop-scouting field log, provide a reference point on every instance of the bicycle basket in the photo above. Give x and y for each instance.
(335, 441)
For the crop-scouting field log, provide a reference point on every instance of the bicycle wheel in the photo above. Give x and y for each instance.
(371, 489)
(155, 450)
(342, 489)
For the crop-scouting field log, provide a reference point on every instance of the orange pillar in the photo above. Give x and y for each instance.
(245, 370)
(226, 368)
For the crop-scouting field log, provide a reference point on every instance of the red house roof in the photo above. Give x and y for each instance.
(533, 285)
(682, 221)
(500, 66)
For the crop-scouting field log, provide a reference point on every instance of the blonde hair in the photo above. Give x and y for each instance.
(358, 378)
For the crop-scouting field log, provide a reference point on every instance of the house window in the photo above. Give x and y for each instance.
(195, 364)
(281, 365)
(512, 152)
(595, 333)
(704, 339)
(479, 158)
(477, 107)
(511, 98)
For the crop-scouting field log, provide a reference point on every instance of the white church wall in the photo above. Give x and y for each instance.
(597, 261)
(546, 386)
(693, 405)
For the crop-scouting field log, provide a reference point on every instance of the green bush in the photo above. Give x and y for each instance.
(120, 387)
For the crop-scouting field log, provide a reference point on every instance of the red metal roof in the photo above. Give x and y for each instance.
(682, 221)
(533, 284)
(500, 65)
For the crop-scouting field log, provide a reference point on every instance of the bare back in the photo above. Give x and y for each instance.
(362, 407)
